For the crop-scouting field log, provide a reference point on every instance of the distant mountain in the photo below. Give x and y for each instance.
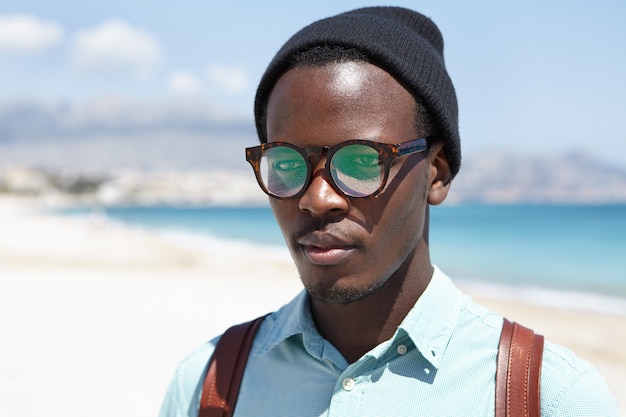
(513, 178)
(31, 121)
(104, 139)
(112, 134)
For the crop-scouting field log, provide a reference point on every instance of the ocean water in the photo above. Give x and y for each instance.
(579, 250)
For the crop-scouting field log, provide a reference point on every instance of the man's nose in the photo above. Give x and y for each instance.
(320, 198)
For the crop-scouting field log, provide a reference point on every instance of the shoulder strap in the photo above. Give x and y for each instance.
(519, 371)
(221, 385)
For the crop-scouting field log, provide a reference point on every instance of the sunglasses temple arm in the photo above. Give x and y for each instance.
(416, 145)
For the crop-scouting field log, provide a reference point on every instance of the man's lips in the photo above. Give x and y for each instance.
(325, 249)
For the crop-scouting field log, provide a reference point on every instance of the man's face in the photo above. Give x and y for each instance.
(347, 248)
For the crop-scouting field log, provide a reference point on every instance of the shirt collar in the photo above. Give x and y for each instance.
(434, 316)
(429, 324)
(293, 319)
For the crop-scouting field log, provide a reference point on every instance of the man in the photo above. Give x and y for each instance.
(358, 120)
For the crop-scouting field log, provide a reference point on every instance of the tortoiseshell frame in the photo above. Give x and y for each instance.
(386, 155)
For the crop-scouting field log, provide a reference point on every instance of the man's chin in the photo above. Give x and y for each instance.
(336, 294)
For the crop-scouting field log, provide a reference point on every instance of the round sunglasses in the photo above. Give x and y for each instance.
(356, 168)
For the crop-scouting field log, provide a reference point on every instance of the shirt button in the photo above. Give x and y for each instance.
(401, 349)
(348, 384)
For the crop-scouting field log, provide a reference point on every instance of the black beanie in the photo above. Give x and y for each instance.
(403, 42)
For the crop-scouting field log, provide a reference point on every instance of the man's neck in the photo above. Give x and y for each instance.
(356, 328)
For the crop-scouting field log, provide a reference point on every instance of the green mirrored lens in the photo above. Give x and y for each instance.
(356, 170)
(283, 170)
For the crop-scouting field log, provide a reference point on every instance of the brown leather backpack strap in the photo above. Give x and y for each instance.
(518, 372)
(502, 369)
(226, 367)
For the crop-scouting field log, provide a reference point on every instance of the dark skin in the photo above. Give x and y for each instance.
(364, 262)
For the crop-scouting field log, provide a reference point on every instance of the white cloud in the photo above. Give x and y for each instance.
(229, 79)
(116, 46)
(21, 32)
(184, 82)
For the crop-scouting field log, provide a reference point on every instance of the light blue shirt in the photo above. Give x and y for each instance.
(440, 362)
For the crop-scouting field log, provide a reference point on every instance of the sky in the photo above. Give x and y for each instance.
(531, 76)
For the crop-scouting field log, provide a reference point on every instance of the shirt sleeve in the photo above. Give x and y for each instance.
(171, 403)
(572, 387)
(182, 398)
(587, 396)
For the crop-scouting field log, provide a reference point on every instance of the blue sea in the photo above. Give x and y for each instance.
(574, 249)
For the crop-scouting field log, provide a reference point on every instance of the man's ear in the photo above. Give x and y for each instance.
(439, 174)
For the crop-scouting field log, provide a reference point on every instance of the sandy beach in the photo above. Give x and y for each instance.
(94, 317)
